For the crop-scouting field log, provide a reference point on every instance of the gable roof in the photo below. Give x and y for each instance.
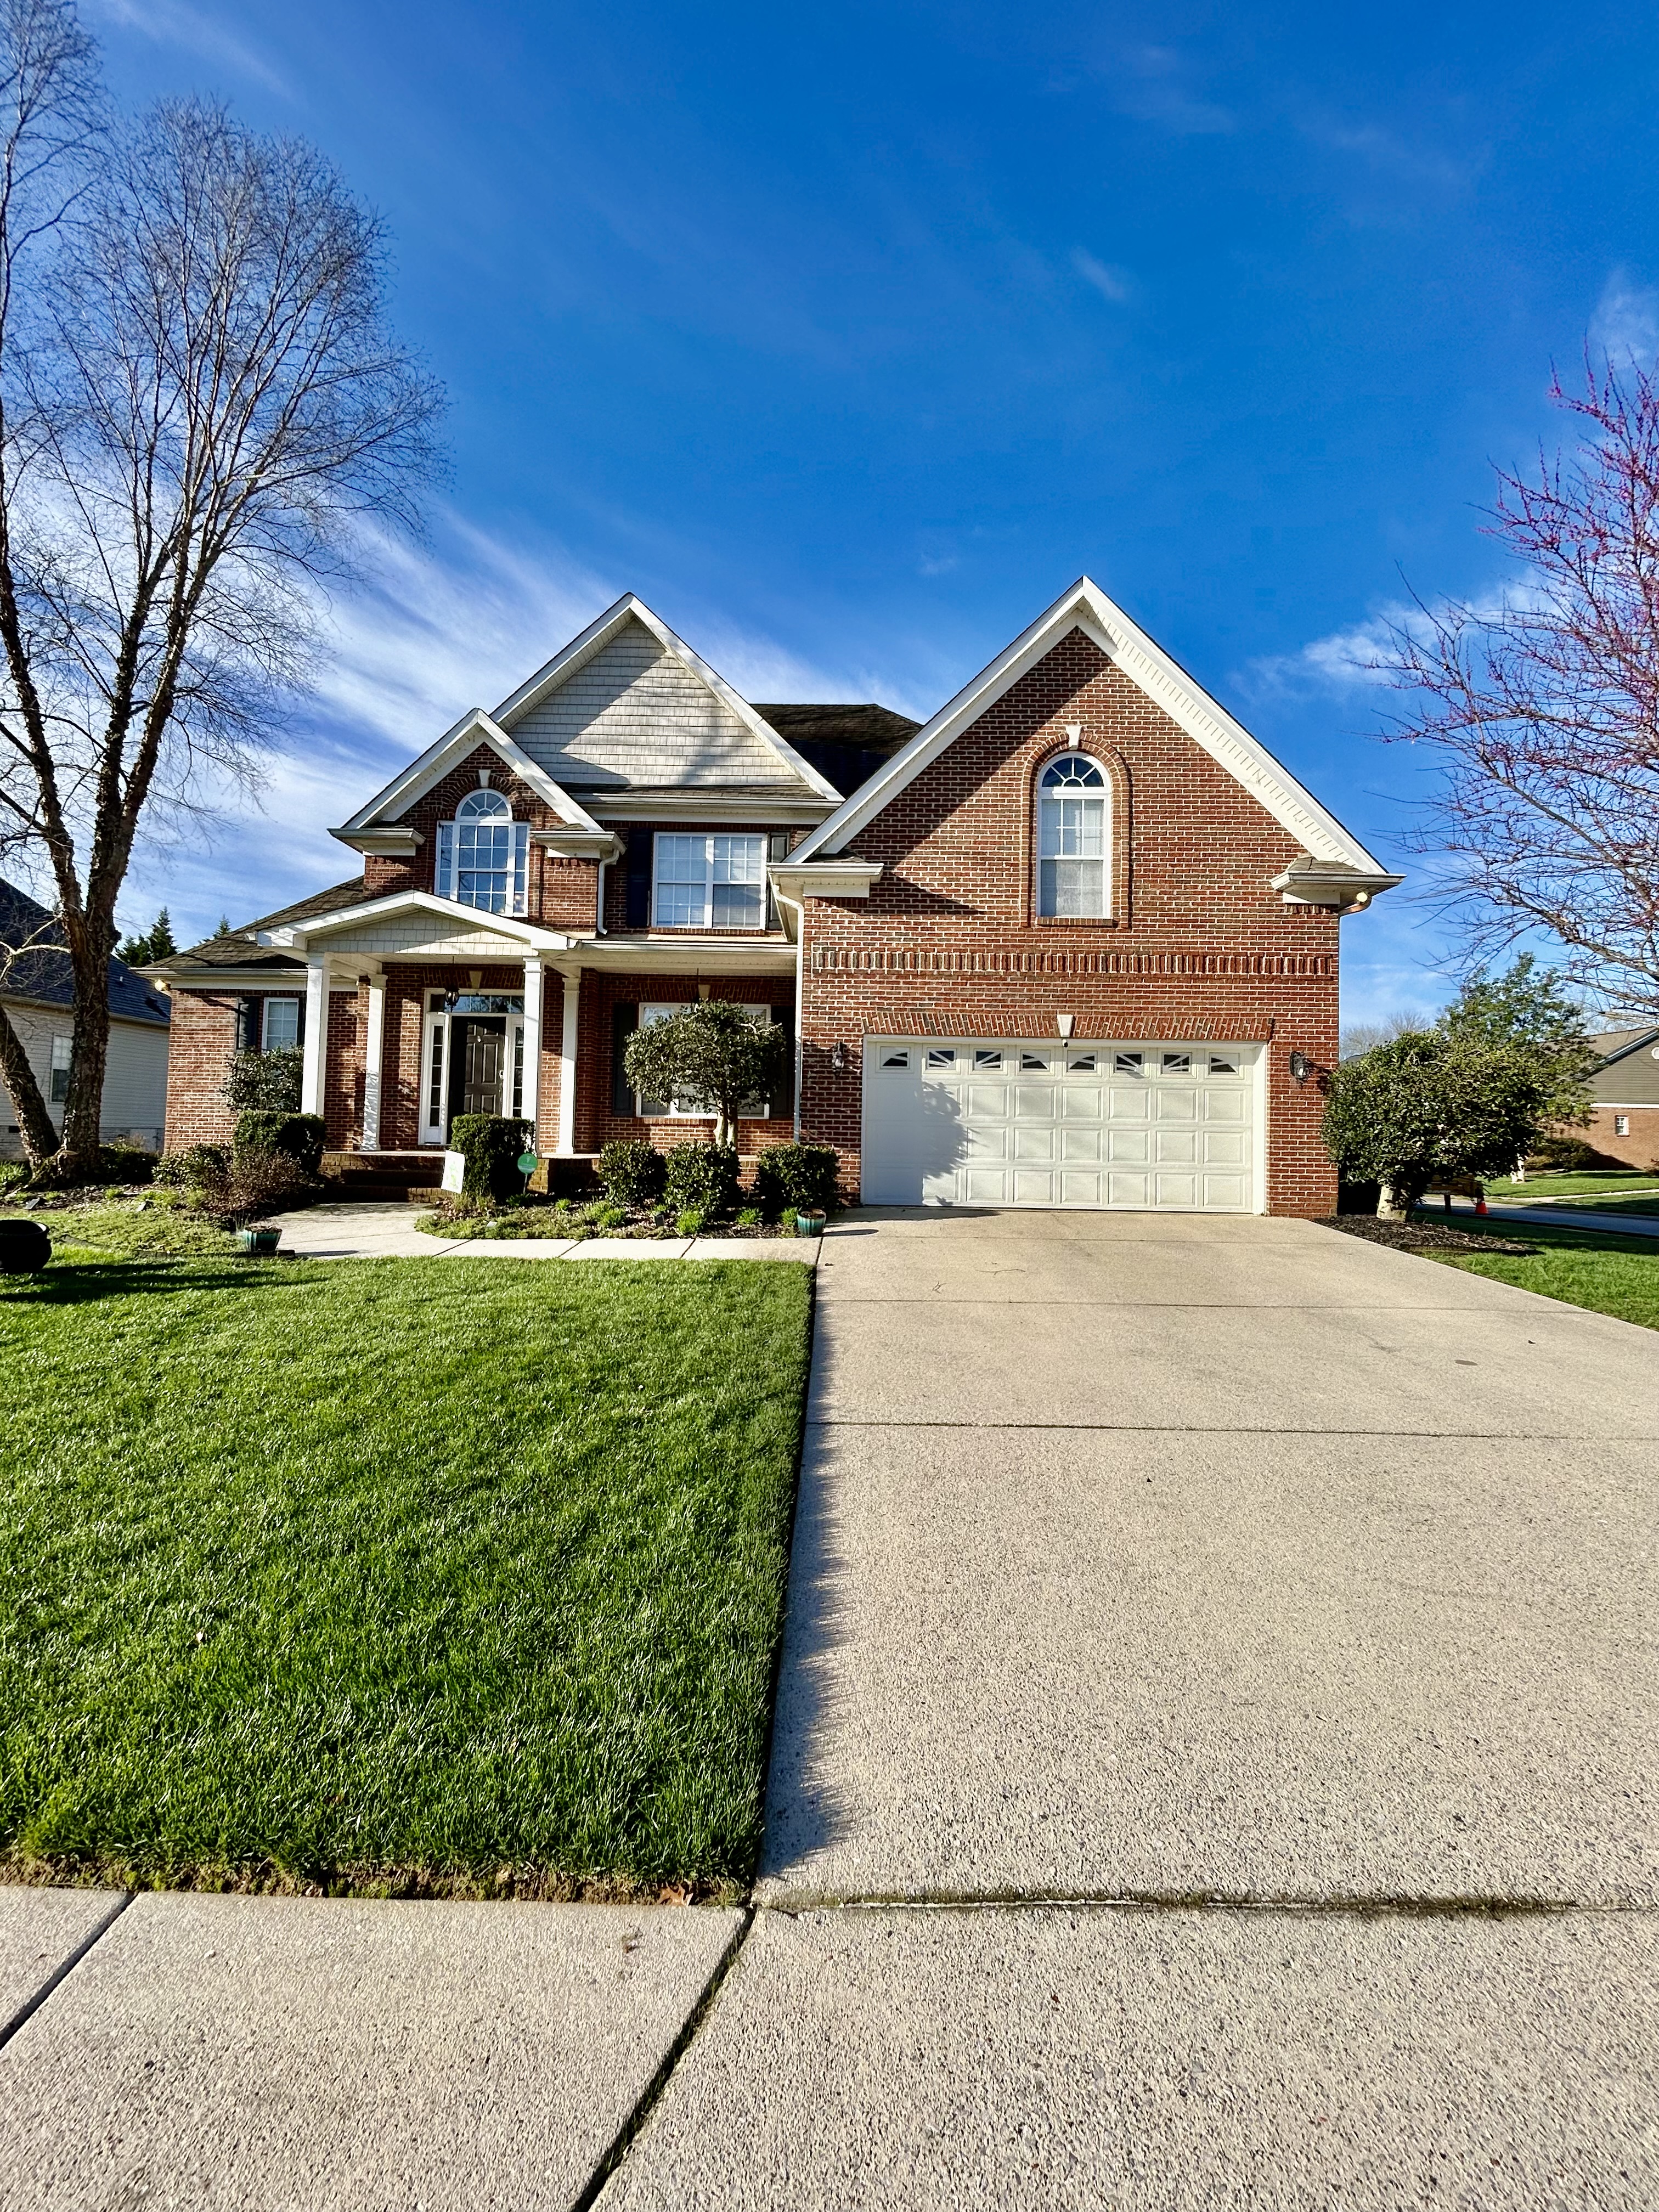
(596, 714)
(1617, 1044)
(1085, 606)
(43, 975)
(474, 729)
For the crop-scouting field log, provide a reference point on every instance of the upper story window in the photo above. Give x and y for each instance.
(716, 882)
(1072, 831)
(483, 855)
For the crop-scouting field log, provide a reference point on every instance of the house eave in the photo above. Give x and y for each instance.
(305, 937)
(703, 803)
(579, 844)
(1308, 882)
(398, 842)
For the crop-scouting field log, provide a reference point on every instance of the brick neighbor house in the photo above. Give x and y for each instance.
(1071, 943)
(1625, 1097)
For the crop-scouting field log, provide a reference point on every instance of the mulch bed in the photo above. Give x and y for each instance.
(1421, 1236)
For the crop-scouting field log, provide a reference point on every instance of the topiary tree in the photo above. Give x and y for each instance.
(1431, 1105)
(711, 1055)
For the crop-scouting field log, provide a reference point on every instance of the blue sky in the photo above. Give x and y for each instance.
(848, 336)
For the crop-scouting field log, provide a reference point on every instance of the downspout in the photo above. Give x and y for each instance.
(799, 908)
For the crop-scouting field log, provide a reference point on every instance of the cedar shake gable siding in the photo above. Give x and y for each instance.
(949, 943)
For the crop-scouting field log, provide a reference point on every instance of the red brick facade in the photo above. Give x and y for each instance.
(1638, 1148)
(948, 943)
(1199, 947)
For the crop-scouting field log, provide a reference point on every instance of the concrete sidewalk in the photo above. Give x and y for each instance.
(388, 1232)
(1216, 1764)
(1518, 1214)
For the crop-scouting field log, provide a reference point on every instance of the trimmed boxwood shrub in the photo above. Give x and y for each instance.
(491, 1145)
(194, 1167)
(795, 1178)
(704, 1177)
(301, 1136)
(633, 1172)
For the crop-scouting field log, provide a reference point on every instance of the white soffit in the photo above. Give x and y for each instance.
(598, 635)
(474, 729)
(1086, 607)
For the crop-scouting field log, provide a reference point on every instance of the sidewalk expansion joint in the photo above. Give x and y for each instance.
(651, 2095)
(1243, 1429)
(26, 2012)
(794, 1906)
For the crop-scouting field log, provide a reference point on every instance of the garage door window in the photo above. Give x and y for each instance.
(1072, 839)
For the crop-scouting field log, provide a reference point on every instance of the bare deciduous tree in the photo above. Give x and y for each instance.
(200, 406)
(1543, 712)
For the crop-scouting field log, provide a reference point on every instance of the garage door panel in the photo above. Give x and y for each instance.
(1029, 1125)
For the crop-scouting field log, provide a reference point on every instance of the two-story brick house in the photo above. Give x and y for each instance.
(1072, 942)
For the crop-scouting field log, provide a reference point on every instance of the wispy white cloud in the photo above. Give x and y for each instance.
(1386, 152)
(1111, 283)
(175, 23)
(1625, 323)
(1151, 85)
(441, 628)
(1344, 660)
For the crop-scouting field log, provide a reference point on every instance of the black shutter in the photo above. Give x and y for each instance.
(624, 1020)
(785, 1102)
(246, 1031)
(777, 848)
(299, 1029)
(640, 845)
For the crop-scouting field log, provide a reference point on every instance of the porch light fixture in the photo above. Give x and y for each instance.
(1301, 1067)
(838, 1057)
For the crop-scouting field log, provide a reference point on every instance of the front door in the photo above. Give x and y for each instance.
(477, 1062)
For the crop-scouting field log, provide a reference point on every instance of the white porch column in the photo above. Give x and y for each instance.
(573, 984)
(315, 1066)
(531, 1095)
(374, 1060)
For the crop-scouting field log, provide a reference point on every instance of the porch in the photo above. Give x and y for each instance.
(417, 1010)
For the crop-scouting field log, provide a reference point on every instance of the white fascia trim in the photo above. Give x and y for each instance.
(301, 939)
(833, 878)
(475, 727)
(1085, 606)
(1639, 1043)
(598, 634)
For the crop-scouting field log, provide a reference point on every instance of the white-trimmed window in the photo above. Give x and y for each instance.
(483, 855)
(62, 1047)
(279, 1026)
(1072, 800)
(714, 882)
(1621, 1125)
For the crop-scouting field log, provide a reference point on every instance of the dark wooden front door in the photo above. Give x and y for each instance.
(478, 1059)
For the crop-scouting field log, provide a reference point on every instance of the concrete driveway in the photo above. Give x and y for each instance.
(1217, 1759)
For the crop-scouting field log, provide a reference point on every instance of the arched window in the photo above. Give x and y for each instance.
(1073, 829)
(483, 855)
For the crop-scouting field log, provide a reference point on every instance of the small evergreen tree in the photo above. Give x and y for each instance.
(154, 943)
(1530, 1007)
(1437, 1105)
(712, 1055)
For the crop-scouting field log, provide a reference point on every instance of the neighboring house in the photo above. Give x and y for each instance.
(1624, 1095)
(1074, 942)
(35, 989)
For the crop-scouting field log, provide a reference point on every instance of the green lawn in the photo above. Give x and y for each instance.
(1643, 1205)
(1610, 1275)
(130, 1228)
(394, 1576)
(1612, 1180)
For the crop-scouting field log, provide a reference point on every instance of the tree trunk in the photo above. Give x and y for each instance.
(39, 1137)
(1389, 1207)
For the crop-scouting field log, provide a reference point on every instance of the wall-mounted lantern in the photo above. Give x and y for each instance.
(1301, 1067)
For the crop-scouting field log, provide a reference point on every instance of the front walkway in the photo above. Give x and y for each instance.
(388, 1232)
(1217, 1763)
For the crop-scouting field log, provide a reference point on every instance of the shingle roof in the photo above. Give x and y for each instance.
(847, 743)
(42, 975)
(241, 948)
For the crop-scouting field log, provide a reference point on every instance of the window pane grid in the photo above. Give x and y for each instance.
(1072, 840)
(714, 882)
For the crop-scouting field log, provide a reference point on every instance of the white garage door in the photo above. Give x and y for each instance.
(1043, 1123)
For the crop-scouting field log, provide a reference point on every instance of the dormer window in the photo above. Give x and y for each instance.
(1072, 832)
(483, 855)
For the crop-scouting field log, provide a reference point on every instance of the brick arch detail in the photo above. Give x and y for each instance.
(1120, 854)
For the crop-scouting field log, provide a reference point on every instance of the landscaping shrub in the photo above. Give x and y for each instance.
(796, 1178)
(490, 1145)
(266, 1082)
(261, 1182)
(199, 1167)
(633, 1173)
(301, 1136)
(704, 1176)
(13, 1177)
(1569, 1155)
(689, 1222)
(125, 1163)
